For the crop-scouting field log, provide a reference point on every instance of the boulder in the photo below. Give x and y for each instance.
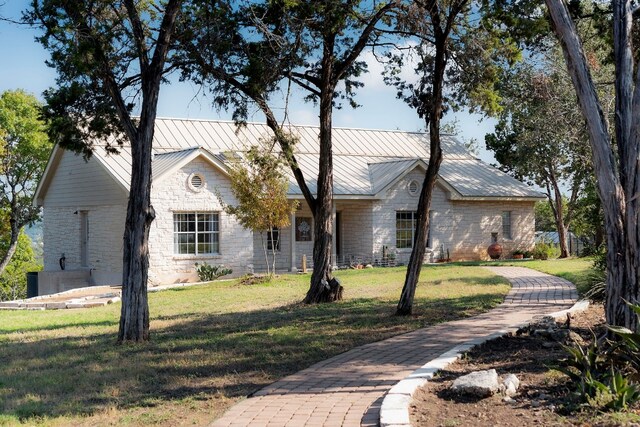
(479, 383)
(511, 384)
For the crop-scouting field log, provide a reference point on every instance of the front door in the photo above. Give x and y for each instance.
(84, 238)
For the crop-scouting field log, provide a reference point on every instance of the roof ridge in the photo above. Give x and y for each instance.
(178, 151)
(300, 125)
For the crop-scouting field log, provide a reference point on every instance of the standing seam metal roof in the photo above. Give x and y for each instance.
(365, 161)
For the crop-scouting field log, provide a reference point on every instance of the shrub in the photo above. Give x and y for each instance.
(543, 251)
(209, 273)
(606, 371)
(597, 279)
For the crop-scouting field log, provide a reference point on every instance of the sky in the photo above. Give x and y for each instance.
(22, 66)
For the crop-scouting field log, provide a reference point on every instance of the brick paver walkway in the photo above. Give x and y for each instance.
(347, 389)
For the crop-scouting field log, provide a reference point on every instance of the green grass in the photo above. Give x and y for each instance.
(211, 345)
(575, 270)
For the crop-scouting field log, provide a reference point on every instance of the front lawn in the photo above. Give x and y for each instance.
(211, 345)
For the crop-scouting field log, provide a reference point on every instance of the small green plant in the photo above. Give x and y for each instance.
(597, 279)
(209, 273)
(606, 372)
(543, 251)
(584, 365)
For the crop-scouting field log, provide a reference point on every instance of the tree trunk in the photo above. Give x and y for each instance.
(622, 267)
(405, 305)
(557, 206)
(319, 289)
(13, 244)
(134, 316)
(265, 251)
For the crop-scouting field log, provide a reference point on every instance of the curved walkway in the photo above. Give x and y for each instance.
(347, 389)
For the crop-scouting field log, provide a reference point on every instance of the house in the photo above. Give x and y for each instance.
(377, 179)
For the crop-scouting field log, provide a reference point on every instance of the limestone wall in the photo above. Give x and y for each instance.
(174, 195)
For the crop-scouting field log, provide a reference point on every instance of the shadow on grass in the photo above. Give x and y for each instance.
(196, 355)
(59, 326)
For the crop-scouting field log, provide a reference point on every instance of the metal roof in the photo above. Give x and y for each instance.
(474, 178)
(365, 161)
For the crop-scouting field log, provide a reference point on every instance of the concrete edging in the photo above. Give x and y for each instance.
(394, 411)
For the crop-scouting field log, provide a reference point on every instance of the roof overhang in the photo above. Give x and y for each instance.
(47, 176)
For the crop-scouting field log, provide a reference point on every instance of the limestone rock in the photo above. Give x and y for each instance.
(511, 384)
(479, 383)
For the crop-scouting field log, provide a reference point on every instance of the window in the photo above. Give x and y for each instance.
(196, 233)
(273, 239)
(405, 228)
(506, 224)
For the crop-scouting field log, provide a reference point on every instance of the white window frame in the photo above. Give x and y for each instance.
(412, 215)
(414, 219)
(507, 225)
(197, 232)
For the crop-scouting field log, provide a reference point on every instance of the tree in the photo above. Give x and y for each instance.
(544, 216)
(617, 173)
(260, 189)
(111, 57)
(24, 150)
(13, 280)
(316, 46)
(589, 217)
(540, 120)
(454, 53)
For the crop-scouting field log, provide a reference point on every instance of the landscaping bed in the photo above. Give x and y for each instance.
(545, 396)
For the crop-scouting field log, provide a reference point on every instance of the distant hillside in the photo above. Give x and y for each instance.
(35, 234)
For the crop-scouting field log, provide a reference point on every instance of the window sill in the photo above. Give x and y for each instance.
(196, 257)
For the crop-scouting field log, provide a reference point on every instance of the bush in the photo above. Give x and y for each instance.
(606, 372)
(209, 273)
(543, 251)
(597, 280)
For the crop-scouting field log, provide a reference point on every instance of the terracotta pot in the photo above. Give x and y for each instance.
(518, 256)
(494, 250)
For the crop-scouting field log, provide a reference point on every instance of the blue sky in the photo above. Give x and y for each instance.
(23, 66)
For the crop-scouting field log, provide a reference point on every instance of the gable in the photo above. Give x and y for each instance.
(72, 181)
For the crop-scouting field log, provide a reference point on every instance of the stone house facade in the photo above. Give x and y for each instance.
(377, 180)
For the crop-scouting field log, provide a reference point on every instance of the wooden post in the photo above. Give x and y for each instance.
(304, 263)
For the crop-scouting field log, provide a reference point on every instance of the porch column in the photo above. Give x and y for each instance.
(293, 242)
(334, 249)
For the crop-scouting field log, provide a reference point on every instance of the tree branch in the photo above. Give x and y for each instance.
(350, 57)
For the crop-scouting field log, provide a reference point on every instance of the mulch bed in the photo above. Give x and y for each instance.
(544, 397)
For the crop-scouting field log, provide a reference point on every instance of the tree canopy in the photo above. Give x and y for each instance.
(110, 58)
(260, 189)
(24, 151)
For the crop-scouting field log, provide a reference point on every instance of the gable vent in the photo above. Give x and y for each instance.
(196, 182)
(413, 188)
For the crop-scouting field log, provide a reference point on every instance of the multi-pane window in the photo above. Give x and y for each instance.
(273, 239)
(196, 233)
(405, 228)
(506, 225)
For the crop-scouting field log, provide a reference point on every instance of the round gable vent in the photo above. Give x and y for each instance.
(413, 187)
(196, 181)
